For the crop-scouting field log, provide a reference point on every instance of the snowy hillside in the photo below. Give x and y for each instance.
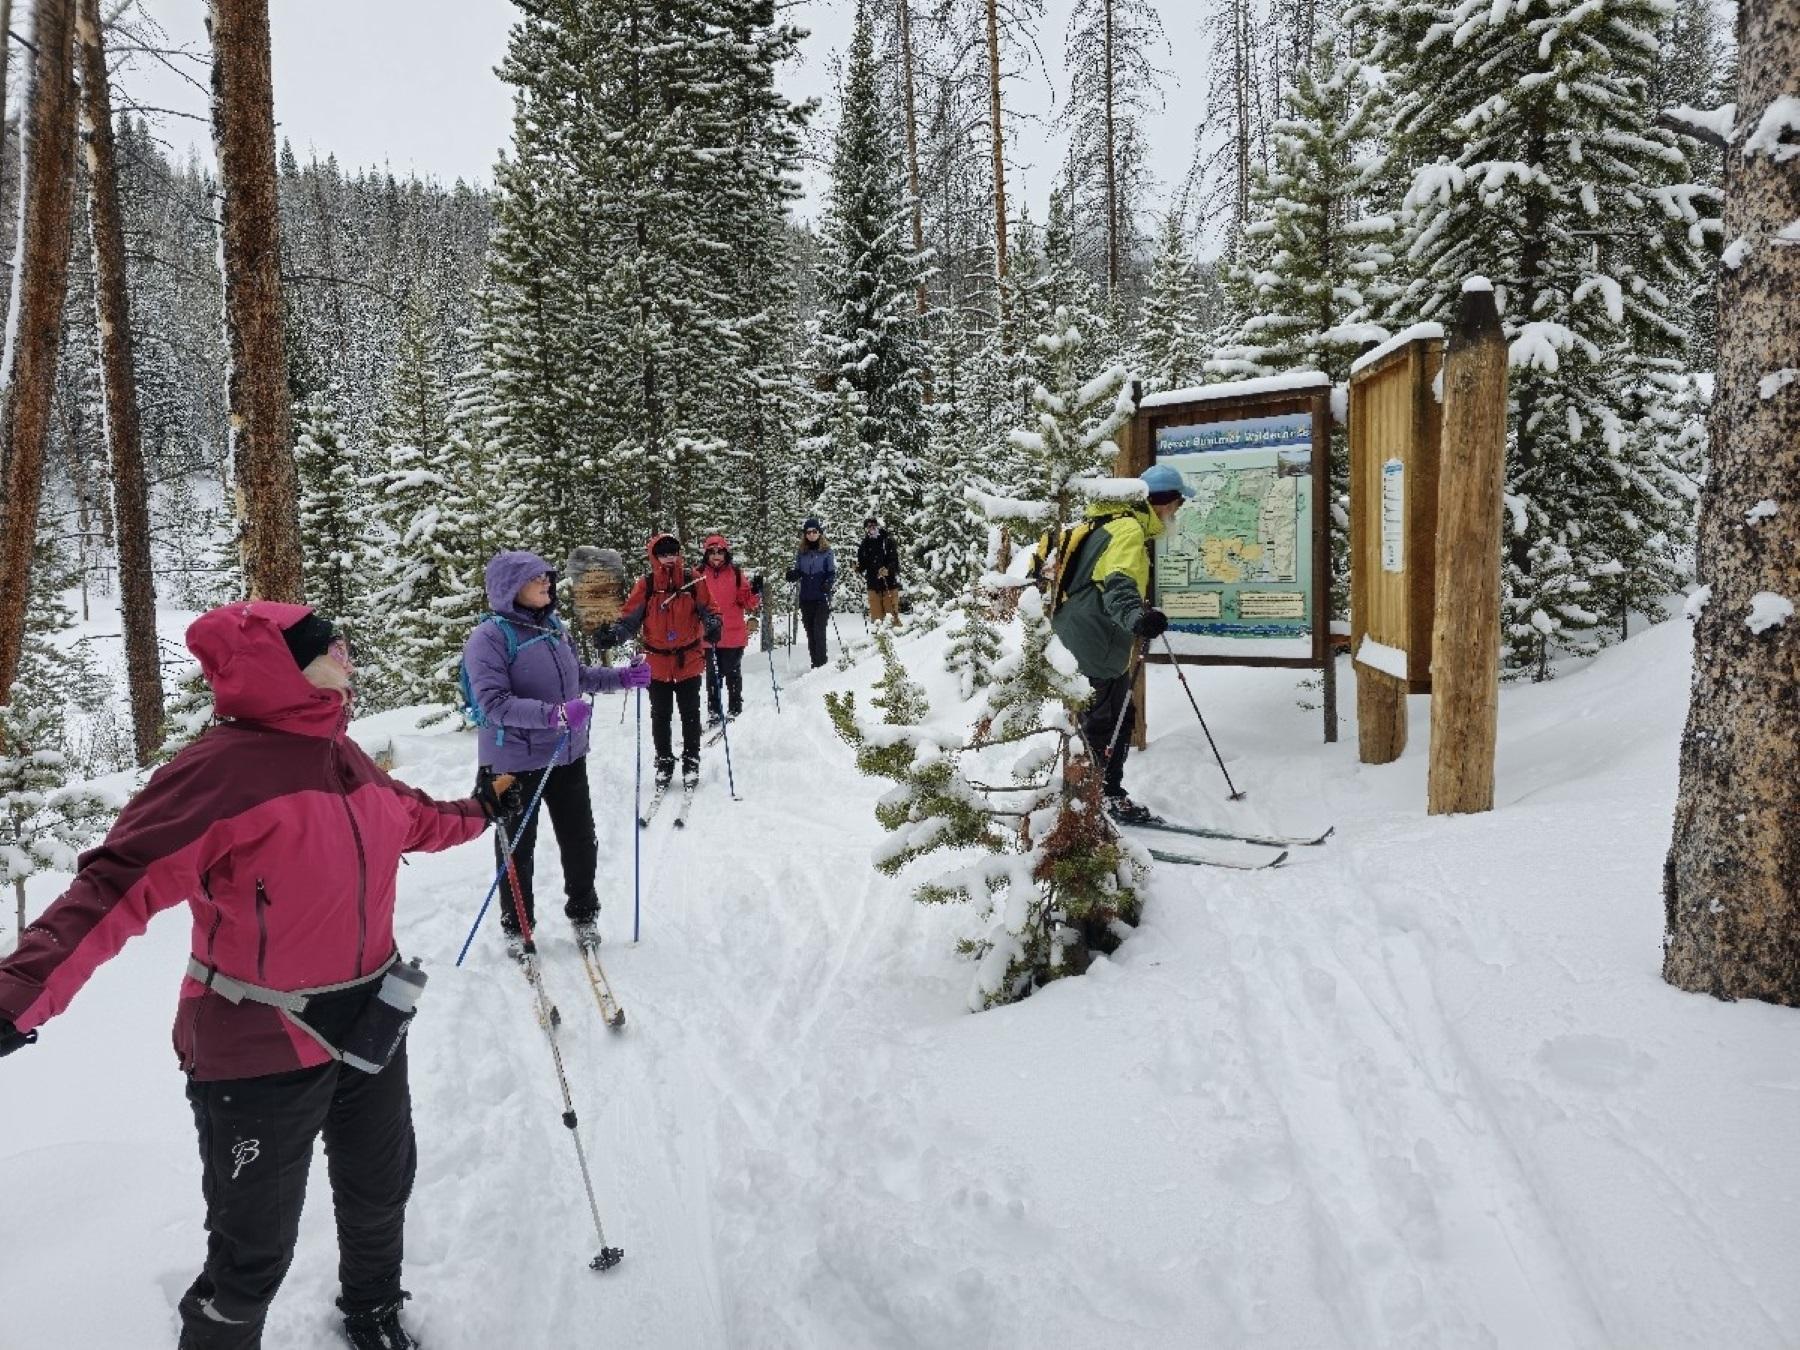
(1422, 1087)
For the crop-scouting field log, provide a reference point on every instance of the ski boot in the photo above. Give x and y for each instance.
(690, 773)
(518, 946)
(665, 773)
(378, 1328)
(1127, 812)
(714, 721)
(587, 927)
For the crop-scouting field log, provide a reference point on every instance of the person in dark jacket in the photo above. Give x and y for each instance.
(879, 562)
(1103, 612)
(285, 840)
(526, 681)
(815, 571)
(672, 612)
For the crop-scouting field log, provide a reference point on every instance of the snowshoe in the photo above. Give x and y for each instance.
(1127, 812)
(378, 1328)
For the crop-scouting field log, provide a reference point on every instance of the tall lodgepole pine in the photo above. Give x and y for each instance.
(262, 433)
(39, 282)
(997, 131)
(912, 145)
(1731, 885)
(131, 505)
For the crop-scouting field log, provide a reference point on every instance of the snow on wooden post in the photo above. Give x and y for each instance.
(1133, 458)
(1394, 439)
(1465, 640)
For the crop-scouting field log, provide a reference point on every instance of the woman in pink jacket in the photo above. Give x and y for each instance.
(283, 839)
(734, 597)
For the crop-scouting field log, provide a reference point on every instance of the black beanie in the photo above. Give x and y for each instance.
(309, 639)
(666, 547)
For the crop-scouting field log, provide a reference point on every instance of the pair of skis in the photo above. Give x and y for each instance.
(656, 801)
(1283, 842)
(549, 1016)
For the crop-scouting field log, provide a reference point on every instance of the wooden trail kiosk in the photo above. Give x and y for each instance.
(1395, 424)
(1244, 569)
(1427, 468)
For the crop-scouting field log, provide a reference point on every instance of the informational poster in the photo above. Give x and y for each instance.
(1237, 559)
(1393, 516)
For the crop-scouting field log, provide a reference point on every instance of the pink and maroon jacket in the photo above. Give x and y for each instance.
(730, 593)
(281, 836)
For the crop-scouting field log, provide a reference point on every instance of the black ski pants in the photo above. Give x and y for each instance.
(816, 614)
(726, 667)
(1111, 698)
(256, 1145)
(664, 695)
(572, 816)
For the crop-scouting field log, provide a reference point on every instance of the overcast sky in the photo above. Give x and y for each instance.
(410, 83)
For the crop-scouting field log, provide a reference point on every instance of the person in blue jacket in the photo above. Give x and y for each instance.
(816, 571)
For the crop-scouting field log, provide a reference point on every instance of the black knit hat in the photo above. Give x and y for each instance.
(666, 547)
(309, 639)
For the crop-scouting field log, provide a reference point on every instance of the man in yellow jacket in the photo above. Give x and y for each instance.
(1103, 612)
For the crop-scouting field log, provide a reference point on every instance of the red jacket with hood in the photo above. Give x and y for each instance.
(667, 609)
(729, 590)
(281, 836)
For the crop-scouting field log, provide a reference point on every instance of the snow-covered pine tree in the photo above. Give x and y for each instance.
(1171, 339)
(1056, 879)
(426, 542)
(333, 512)
(869, 351)
(974, 643)
(1539, 164)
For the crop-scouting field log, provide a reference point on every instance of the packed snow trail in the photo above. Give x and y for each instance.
(1419, 1087)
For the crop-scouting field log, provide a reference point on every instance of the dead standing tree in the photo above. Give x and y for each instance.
(131, 506)
(38, 288)
(1731, 885)
(262, 454)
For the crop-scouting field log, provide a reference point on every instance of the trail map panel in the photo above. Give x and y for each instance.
(1237, 560)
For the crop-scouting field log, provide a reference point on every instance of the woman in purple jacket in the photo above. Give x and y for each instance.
(528, 687)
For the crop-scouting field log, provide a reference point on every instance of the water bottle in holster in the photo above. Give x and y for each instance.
(375, 1036)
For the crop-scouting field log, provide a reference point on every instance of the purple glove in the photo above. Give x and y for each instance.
(636, 675)
(575, 714)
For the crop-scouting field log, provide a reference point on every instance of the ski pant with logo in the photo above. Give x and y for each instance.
(726, 666)
(256, 1145)
(664, 695)
(572, 816)
(816, 614)
(1111, 698)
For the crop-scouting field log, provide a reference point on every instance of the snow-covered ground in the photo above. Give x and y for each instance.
(1421, 1087)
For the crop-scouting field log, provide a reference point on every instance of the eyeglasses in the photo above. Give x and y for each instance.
(339, 651)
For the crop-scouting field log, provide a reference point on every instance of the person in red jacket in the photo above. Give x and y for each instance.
(672, 613)
(733, 597)
(284, 840)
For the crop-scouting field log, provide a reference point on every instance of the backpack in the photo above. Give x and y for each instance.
(1055, 565)
(471, 707)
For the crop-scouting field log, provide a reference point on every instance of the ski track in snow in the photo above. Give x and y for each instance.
(1419, 1088)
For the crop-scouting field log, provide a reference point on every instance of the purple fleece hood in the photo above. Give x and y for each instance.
(506, 573)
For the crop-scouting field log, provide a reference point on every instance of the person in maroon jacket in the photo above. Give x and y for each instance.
(284, 839)
(734, 597)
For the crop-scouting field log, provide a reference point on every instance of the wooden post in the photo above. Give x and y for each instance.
(1133, 458)
(1465, 639)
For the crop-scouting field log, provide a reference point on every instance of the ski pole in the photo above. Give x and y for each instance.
(637, 835)
(774, 686)
(1112, 743)
(843, 654)
(712, 658)
(1235, 796)
(500, 871)
(607, 1257)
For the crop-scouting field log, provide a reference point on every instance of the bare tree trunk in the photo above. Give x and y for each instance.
(1112, 177)
(39, 285)
(912, 142)
(1731, 885)
(999, 139)
(6, 9)
(1242, 74)
(131, 501)
(262, 449)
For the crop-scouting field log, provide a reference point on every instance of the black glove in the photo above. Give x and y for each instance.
(712, 628)
(793, 574)
(497, 801)
(1152, 623)
(756, 584)
(11, 1038)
